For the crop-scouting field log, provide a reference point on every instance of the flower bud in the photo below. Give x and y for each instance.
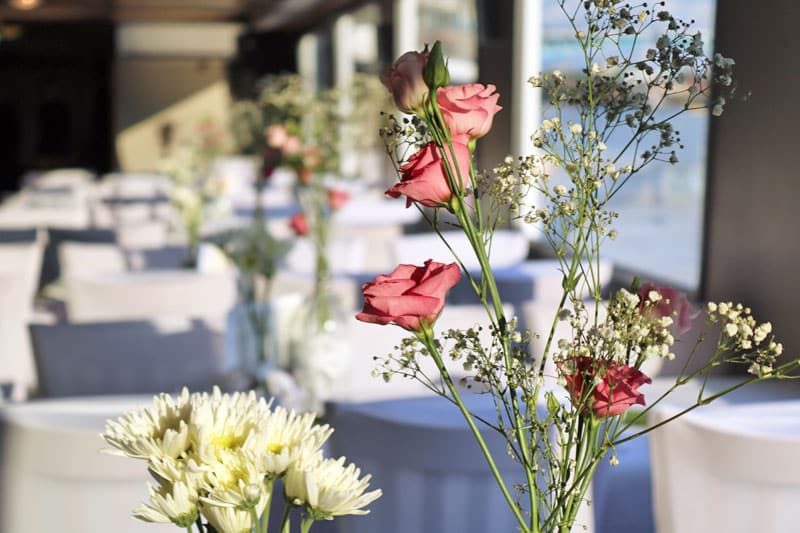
(435, 73)
(404, 80)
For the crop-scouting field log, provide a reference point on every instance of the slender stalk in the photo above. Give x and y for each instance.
(305, 525)
(286, 522)
(265, 513)
(426, 336)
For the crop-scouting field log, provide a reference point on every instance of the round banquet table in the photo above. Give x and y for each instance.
(55, 476)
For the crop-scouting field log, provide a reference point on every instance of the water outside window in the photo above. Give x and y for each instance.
(661, 210)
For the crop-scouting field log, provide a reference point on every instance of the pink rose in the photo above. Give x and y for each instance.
(424, 179)
(617, 390)
(411, 297)
(337, 198)
(276, 136)
(292, 145)
(404, 80)
(299, 224)
(672, 304)
(468, 109)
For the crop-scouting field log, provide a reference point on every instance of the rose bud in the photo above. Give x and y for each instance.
(411, 296)
(435, 72)
(424, 178)
(299, 224)
(404, 81)
(337, 198)
(616, 390)
(468, 109)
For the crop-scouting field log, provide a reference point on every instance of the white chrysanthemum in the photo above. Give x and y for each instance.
(177, 506)
(327, 487)
(160, 430)
(167, 470)
(228, 519)
(236, 482)
(222, 422)
(284, 436)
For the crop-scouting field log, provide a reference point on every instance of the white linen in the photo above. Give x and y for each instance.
(423, 456)
(148, 294)
(508, 248)
(371, 341)
(86, 259)
(56, 478)
(19, 277)
(731, 468)
(368, 211)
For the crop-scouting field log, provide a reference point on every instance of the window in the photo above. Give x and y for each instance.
(661, 209)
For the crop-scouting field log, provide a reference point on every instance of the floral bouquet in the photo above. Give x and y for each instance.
(216, 460)
(196, 192)
(562, 411)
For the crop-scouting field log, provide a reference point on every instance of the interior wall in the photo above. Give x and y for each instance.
(752, 244)
(146, 85)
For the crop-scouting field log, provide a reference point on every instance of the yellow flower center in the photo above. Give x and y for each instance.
(275, 447)
(227, 441)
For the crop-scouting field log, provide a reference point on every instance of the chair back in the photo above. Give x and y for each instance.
(508, 248)
(421, 453)
(129, 357)
(149, 294)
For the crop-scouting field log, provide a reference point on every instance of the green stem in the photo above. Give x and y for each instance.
(286, 523)
(305, 526)
(426, 336)
(265, 515)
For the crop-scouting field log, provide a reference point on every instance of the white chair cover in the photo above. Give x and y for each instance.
(540, 280)
(148, 294)
(55, 477)
(86, 259)
(344, 290)
(508, 248)
(142, 234)
(369, 341)
(129, 357)
(728, 468)
(19, 277)
(344, 256)
(378, 241)
(368, 211)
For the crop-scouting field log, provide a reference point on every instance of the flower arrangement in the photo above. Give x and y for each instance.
(196, 192)
(216, 460)
(562, 411)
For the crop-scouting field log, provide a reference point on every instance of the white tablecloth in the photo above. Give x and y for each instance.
(54, 477)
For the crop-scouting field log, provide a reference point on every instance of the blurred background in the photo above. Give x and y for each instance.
(96, 95)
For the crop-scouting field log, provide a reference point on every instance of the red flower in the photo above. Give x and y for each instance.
(299, 224)
(616, 390)
(468, 109)
(424, 179)
(411, 296)
(270, 161)
(337, 198)
(672, 304)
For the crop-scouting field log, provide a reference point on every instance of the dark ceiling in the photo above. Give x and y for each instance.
(265, 14)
